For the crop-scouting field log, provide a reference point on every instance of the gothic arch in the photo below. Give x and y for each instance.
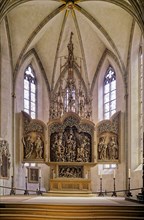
(107, 55)
(97, 85)
(32, 58)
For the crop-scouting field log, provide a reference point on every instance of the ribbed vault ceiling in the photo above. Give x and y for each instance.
(44, 27)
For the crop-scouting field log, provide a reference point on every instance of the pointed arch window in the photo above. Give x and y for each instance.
(30, 92)
(109, 93)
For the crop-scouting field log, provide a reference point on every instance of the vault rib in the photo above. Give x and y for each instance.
(104, 33)
(134, 8)
(57, 50)
(82, 49)
(33, 35)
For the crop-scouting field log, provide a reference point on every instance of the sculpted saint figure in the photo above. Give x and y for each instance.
(28, 146)
(39, 147)
(102, 149)
(113, 148)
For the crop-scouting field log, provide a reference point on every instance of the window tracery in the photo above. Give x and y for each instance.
(109, 93)
(30, 92)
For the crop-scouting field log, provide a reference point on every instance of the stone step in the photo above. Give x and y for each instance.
(86, 212)
(68, 193)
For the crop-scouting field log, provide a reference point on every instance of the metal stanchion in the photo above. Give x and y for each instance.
(26, 190)
(39, 192)
(12, 192)
(128, 193)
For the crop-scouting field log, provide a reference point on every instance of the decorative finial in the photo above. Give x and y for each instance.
(70, 52)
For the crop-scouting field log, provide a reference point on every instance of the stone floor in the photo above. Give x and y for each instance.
(94, 200)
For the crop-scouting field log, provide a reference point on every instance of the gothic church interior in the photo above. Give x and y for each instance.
(71, 95)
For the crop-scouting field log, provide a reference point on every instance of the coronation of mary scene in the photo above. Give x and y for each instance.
(72, 97)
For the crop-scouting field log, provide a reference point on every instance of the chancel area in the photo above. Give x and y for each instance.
(72, 99)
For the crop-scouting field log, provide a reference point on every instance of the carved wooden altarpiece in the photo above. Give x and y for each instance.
(108, 136)
(70, 129)
(33, 139)
(67, 146)
(70, 152)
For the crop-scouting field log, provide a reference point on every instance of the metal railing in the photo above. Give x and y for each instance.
(26, 191)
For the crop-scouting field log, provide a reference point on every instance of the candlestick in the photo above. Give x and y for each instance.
(101, 193)
(114, 191)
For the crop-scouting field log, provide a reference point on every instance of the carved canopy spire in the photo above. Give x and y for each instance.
(70, 95)
(70, 52)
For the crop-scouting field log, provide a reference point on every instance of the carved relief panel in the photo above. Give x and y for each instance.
(70, 171)
(4, 159)
(108, 136)
(71, 141)
(33, 139)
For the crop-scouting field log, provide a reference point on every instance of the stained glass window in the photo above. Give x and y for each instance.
(30, 92)
(109, 93)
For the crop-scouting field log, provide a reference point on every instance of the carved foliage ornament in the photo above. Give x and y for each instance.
(70, 122)
(32, 125)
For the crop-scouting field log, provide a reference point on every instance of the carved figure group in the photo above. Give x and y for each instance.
(33, 147)
(70, 172)
(108, 151)
(4, 158)
(70, 146)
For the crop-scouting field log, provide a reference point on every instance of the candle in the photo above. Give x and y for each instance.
(26, 171)
(129, 173)
(39, 172)
(114, 174)
(100, 174)
(12, 172)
